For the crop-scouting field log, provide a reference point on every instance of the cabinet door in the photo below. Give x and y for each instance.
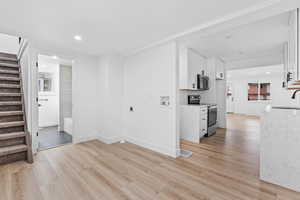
(196, 64)
(203, 127)
(190, 64)
(183, 68)
(203, 122)
(193, 69)
(220, 69)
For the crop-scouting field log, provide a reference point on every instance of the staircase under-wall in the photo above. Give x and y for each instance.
(15, 140)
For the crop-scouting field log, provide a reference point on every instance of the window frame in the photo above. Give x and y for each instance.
(258, 91)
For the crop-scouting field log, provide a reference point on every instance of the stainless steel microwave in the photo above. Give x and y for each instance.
(202, 82)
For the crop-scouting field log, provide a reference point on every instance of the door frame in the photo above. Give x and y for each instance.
(232, 98)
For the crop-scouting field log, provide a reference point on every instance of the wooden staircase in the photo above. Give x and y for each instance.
(15, 140)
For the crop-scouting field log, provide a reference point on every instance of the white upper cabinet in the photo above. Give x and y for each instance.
(190, 64)
(220, 69)
(292, 50)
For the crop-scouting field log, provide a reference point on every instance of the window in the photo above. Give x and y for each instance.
(252, 91)
(45, 82)
(264, 92)
(259, 91)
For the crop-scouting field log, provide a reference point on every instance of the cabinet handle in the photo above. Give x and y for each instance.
(203, 130)
(203, 119)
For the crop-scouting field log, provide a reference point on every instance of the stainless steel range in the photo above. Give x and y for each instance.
(212, 114)
(212, 119)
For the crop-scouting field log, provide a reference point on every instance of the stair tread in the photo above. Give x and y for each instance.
(8, 55)
(12, 135)
(9, 86)
(9, 78)
(8, 59)
(4, 64)
(10, 113)
(10, 94)
(11, 124)
(8, 71)
(12, 149)
(10, 103)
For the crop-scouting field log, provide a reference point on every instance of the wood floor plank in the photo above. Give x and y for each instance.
(222, 167)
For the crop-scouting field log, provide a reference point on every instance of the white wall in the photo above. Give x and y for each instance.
(85, 99)
(110, 97)
(65, 94)
(9, 44)
(49, 101)
(147, 76)
(103, 89)
(221, 94)
(239, 79)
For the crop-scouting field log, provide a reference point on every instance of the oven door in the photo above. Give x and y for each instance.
(212, 116)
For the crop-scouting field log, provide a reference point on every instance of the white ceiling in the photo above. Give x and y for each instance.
(273, 70)
(256, 44)
(109, 25)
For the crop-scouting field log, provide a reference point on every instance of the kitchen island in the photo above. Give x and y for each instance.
(280, 147)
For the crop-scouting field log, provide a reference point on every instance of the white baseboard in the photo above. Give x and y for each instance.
(178, 153)
(162, 150)
(48, 125)
(109, 140)
(84, 139)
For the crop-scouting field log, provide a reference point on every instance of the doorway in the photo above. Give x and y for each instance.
(55, 102)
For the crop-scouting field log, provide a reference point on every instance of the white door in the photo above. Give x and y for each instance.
(230, 99)
(48, 83)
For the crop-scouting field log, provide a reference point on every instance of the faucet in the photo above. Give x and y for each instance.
(294, 94)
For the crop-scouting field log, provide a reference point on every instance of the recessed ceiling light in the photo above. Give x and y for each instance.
(268, 72)
(228, 37)
(54, 57)
(77, 37)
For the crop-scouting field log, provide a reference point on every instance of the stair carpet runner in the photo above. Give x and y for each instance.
(15, 142)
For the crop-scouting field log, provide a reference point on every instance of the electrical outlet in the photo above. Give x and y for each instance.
(165, 100)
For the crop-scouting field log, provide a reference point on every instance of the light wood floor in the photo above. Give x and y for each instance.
(224, 166)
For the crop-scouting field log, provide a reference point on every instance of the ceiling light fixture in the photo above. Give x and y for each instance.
(54, 57)
(228, 37)
(268, 72)
(77, 37)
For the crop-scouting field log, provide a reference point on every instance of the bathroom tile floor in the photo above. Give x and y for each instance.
(50, 137)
